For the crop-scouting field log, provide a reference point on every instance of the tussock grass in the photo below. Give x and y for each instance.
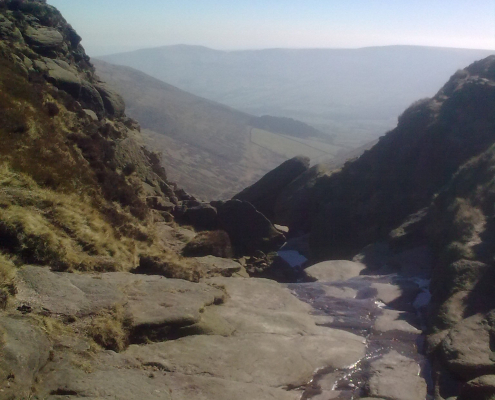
(7, 279)
(61, 230)
(156, 262)
(215, 243)
(63, 200)
(110, 329)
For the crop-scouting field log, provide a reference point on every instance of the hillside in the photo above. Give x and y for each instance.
(212, 150)
(355, 94)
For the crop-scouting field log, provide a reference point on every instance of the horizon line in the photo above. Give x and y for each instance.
(292, 48)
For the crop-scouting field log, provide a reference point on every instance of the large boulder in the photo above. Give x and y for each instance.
(249, 230)
(467, 349)
(114, 103)
(202, 216)
(481, 388)
(43, 38)
(396, 377)
(263, 194)
(209, 243)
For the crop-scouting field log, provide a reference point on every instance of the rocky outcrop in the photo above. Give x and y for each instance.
(264, 193)
(248, 229)
(369, 197)
(77, 146)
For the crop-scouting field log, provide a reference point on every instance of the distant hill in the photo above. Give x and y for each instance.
(211, 150)
(355, 94)
(288, 126)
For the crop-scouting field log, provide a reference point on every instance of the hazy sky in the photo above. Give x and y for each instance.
(110, 26)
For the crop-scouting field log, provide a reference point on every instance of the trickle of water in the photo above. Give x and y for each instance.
(353, 306)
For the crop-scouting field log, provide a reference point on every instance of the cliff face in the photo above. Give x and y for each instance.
(78, 190)
(367, 198)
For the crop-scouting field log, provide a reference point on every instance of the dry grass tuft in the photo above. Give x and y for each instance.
(7, 280)
(168, 265)
(215, 243)
(110, 329)
(61, 230)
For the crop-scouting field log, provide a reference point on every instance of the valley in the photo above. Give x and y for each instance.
(211, 149)
(318, 270)
(353, 95)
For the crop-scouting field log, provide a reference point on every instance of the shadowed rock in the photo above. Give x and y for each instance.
(249, 230)
(263, 194)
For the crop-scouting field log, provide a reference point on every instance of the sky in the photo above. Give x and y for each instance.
(112, 26)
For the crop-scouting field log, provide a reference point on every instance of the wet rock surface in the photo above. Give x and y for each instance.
(393, 366)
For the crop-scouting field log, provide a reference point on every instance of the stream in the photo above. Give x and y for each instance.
(388, 311)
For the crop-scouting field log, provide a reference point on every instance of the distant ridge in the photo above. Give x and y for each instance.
(355, 94)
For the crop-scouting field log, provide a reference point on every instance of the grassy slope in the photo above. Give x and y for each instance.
(65, 199)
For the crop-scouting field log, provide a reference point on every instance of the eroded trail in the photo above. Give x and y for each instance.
(387, 312)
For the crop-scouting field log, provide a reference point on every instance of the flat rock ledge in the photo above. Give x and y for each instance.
(153, 304)
(336, 270)
(239, 338)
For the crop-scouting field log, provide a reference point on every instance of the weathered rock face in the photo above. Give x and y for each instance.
(155, 306)
(264, 193)
(112, 101)
(60, 56)
(249, 230)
